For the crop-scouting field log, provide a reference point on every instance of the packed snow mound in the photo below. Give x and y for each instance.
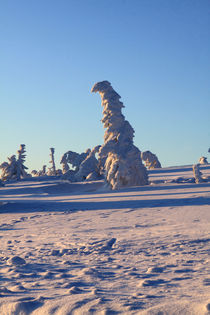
(150, 159)
(118, 156)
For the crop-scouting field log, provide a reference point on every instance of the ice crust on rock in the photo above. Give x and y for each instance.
(150, 159)
(118, 156)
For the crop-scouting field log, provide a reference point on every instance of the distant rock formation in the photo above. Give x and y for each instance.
(203, 160)
(118, 155)
(150, 159)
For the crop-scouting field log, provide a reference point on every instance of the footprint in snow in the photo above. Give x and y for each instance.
(152, 283)
(206, 282)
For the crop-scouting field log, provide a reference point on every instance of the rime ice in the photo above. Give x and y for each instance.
(118, 155)
(15, 168)
(150, 159)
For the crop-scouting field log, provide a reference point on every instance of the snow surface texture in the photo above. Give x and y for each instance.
(150, 159)
(15, 169)
(120, 158)
(75, 248)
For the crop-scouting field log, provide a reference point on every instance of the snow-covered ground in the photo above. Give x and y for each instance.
(82, 249)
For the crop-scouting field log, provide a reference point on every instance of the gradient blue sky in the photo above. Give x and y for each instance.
(155, 53)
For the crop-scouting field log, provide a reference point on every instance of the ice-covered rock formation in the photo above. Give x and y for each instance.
(120, 158)
(203, 160)
(150, 159)
(15, 168)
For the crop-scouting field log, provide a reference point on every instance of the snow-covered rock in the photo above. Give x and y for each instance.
(118, 155)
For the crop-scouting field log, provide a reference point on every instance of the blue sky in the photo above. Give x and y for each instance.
(155, 53)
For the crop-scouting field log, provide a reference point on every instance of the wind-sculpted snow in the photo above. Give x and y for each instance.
(118, 155)
(78, 248)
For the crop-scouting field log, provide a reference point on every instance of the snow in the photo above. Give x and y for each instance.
(80, 248)
(118, 155)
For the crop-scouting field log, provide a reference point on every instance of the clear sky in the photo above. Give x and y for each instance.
(155, 53)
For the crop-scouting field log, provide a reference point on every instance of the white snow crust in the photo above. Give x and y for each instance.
(80, 248)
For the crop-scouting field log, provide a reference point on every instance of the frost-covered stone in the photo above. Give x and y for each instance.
(150, 159)
(118, 156)
(15, 168)
(203, 160)
(197, 174)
